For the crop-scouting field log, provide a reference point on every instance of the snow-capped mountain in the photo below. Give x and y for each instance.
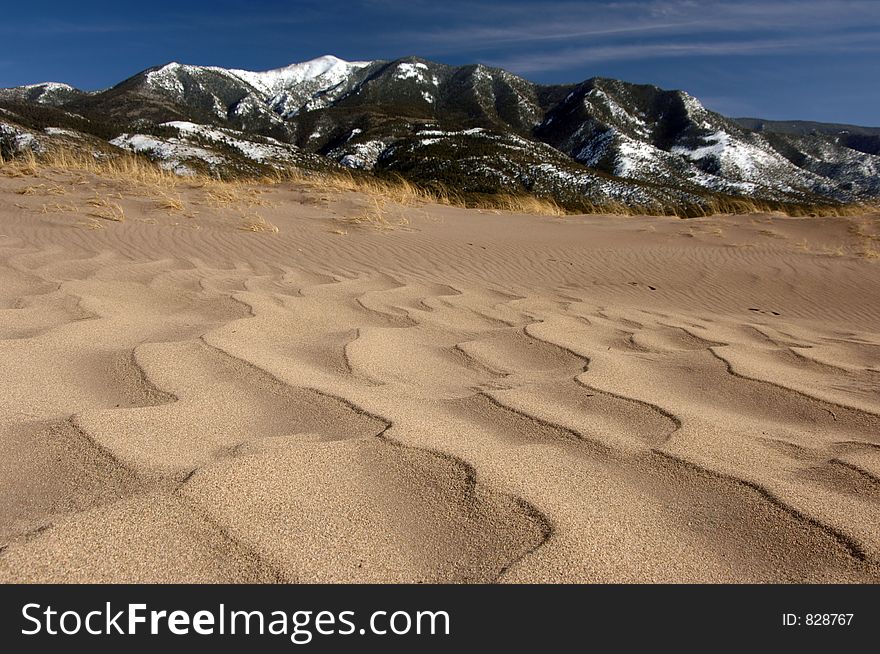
(474, 128)
(303, 87)
(47, 93)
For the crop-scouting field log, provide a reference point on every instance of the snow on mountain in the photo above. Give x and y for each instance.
(328, 69)
(474, 128)
(290, 89)
(173, 154)
(283, 91)
(14, 139)
(45, 93)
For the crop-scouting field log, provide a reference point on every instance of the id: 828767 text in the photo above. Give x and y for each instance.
(817, 619)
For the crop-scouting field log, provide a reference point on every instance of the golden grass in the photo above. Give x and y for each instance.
(836, 251)
(25, 165)
(170, 203)
(377, 214)
(386, 191)
(393, 189)
(126, 170)
(135, 176)
(57, 207)
(860, 229)
(42, 189)
(233, 193)
(528, 204)
(256, 223)
(138, 175)
(106, 210)
(91, 223)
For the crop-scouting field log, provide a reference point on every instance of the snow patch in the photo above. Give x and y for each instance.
(329, 70)
(362, 156)
(171, 153)
(411, 71)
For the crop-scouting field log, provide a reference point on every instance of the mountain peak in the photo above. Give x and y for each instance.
(324, 66)
(321, 65)
(328, 69)
(49, 86)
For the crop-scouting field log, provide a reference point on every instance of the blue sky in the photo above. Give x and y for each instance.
(808, 59)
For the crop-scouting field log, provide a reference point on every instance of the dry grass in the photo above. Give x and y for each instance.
(867, 233)
(379, 215)
(91, 223)
(222, 194)
(528, 204)
(25, 165)
(170, 203)
(256, 223)
(105, 209)
(393, 189)
(132, 174)
(870, 253)
(57, 207)
(745, 206)
(127, 170)
(387, 194)
(42, 189)
(863, 230)
(836, 251)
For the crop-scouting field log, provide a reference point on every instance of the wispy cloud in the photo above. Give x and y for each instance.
(628, 24)
(572, 57)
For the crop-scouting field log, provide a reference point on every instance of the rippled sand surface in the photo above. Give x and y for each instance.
(472, 397)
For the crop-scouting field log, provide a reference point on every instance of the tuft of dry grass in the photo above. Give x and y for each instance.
(170, 203)
(868, 252)
(865, 230)
(528, 204)
(57, 207)
(381, 213)
(105, 209)
(393, 189)
(134, 175)
(42, 189)
(836, 251)
(25, 165)
(128, 170)
(233, 194)
(91, 223)
(384, 192)
(256, 223)
(373, 214)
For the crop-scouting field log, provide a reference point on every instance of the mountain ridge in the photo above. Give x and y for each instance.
(474, 128)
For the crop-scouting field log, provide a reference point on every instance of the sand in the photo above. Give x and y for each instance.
(471, 397)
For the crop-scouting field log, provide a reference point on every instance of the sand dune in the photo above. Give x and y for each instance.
(472, 397)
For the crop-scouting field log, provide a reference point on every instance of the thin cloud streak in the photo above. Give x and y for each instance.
(572, 57)
(547, 22)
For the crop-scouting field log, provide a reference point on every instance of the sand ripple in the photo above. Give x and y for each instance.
(480, 398)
